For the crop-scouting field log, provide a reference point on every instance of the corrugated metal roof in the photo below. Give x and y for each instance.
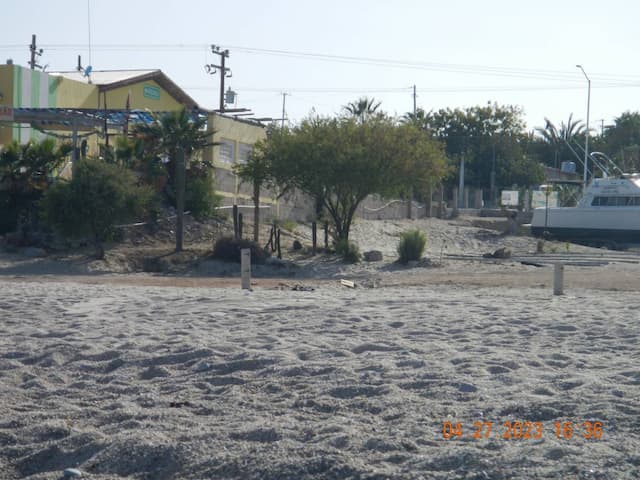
(105, 77)
(110, 79)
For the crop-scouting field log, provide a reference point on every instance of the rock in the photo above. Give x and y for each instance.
(467, 388)
(155, 265)
(203, 367)
(297, 245)
(33, 252)
(71, 473)
(277, 262)
(372, 256)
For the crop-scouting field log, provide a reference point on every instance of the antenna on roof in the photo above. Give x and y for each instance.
(86, 71)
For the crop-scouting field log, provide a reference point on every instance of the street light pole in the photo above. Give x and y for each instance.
(586, 137)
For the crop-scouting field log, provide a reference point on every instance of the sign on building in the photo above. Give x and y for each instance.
(539, 199)
(149, 91)
(509, 198)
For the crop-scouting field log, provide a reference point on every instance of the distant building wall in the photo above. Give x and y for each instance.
(143, 95)
(73, 94)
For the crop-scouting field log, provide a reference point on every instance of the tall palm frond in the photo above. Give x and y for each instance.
(363, 108)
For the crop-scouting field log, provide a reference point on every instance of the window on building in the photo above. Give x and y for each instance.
(227, 151)
(244, 151)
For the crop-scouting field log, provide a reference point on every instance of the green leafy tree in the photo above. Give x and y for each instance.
(621, 141)
(98, 197)
(257, 171)
(25, 174)
(491, 138)
(343, 160)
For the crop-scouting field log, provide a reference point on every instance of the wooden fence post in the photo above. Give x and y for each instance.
(326, 236)
(314, 237)
(278, 244)
(235, 222)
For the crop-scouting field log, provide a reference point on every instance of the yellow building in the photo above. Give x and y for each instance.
(33, 94)
(235, 138)
(22, 88)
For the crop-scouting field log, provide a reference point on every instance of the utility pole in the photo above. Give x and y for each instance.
(224, 71)
(284, 97)
(586, 133)
(35, 52)
(414, 101)
(410, 192)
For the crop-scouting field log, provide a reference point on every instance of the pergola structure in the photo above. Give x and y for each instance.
(78, 120)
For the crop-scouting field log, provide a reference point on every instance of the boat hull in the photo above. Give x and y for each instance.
(604, 225)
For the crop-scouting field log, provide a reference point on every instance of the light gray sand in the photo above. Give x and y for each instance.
(144, 382)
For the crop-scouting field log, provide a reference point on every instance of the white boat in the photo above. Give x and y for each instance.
(607, 215)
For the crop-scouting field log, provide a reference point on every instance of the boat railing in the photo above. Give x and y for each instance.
(603, 162)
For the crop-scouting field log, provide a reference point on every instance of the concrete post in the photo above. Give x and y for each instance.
(478, 198)
(245, 268)
(558, 278)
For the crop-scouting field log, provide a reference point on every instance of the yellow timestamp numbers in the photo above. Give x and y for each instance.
(523, 430)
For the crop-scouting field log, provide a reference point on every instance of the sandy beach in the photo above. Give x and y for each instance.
(186, 376)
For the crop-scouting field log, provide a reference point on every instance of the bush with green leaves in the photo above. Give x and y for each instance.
(411, 246)
(349, 251)
(200, 197)
(25, 174)
(98, 197)
(229, 250)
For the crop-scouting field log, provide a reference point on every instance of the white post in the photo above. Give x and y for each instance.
(558, 278)
(245, 268)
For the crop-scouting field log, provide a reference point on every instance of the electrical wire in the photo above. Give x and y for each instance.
(486, 70)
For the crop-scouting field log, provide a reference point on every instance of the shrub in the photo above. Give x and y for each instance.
(411, 246)
(200, 197)
(8, 215)
(228, 249)
(98, 197)
(349, 251)
(289, 225)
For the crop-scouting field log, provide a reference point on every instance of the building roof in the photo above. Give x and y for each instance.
(107, 80)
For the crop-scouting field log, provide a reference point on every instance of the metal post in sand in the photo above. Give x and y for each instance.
(558, 278)
(245, 268)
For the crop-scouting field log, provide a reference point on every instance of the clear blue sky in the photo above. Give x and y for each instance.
(325, 54)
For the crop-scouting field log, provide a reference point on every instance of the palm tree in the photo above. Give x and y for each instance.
(420, 118)
(173, 130)
(559, 138)
(363, 108)
(26, 172)
(257, 171)
(175, 137)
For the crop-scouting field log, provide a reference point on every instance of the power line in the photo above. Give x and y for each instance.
(403, 90)
(407, 64)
